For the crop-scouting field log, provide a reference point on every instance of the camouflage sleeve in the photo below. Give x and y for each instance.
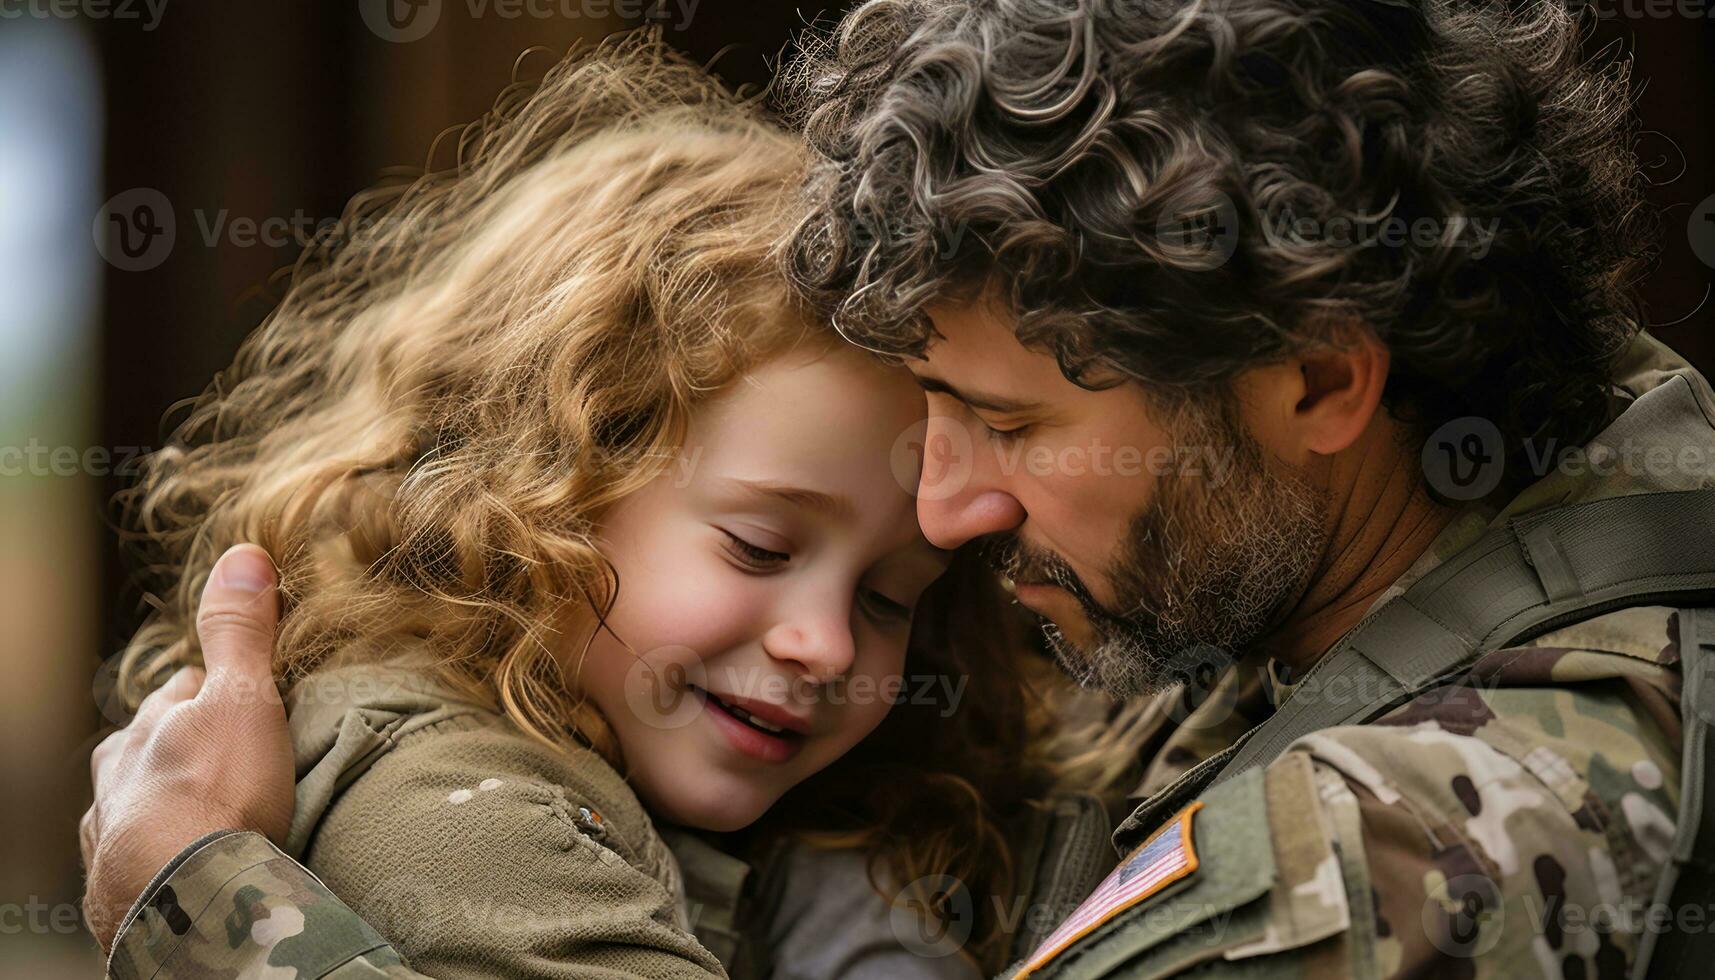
(1526, 845)
(234, 906)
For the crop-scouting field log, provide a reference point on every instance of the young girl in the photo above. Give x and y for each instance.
(585, 528)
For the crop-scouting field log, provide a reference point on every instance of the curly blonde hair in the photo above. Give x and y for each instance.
(468, 369)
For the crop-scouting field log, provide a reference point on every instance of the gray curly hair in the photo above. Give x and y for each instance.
(1059, 150)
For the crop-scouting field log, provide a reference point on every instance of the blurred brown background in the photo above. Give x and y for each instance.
(250, 120)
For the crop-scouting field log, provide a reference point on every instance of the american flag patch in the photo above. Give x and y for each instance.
(1160, 861)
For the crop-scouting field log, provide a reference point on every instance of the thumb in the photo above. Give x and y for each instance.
(235, 621)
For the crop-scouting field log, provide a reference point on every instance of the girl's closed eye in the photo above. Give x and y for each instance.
(883, 607)
(753, 557)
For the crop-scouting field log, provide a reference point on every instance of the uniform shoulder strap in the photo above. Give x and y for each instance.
(1674, 947)
(1529, 576)
(1522, 579)
(1533, 574)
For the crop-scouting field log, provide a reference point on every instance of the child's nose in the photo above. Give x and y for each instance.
(819, 643)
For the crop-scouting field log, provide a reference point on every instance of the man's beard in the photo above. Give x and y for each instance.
(1202, 573)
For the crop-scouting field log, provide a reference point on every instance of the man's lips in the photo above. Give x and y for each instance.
(1055, 603)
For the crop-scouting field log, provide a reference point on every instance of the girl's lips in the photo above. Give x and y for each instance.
(747, 739)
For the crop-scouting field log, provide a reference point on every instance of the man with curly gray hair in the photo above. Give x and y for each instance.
(1285, 357)
(1266, 343)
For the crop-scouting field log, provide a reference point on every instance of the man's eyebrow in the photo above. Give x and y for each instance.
(830, 505)
(975, 399)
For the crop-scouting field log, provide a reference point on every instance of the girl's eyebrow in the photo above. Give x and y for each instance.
(835, 506)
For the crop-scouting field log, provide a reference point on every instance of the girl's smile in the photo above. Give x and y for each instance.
(767, 589)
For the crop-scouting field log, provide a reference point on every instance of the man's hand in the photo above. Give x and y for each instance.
(208, 751)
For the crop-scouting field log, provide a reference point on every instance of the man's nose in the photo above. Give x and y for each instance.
(973, 513)
(957, 491)
(958, 495)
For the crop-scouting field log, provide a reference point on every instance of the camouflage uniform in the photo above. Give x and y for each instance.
(478, 852)
(1511, 825)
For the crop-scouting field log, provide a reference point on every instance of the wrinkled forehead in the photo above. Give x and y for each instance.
(976, 351)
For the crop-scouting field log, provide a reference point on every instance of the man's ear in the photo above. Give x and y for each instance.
(1316, 403)
(1339, 389)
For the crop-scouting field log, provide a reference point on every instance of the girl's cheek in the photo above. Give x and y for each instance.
(885, 685)
(684, 597)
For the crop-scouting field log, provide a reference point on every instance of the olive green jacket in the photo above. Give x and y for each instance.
(479, 852)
